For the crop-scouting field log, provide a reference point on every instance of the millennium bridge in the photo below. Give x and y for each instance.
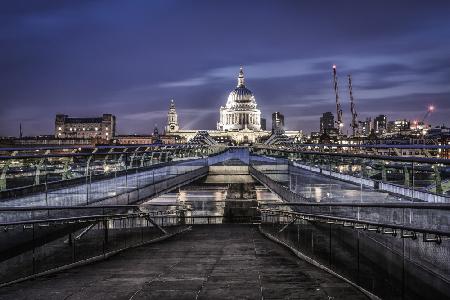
(216, 222)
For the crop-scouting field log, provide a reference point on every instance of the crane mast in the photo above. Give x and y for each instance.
(339, 122)
(427, 114)
(354, 124)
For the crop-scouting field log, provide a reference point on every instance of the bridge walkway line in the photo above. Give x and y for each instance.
(230, 261)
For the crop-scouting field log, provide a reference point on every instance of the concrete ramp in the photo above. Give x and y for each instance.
(229, 179)
(210, 262)
(230, 171)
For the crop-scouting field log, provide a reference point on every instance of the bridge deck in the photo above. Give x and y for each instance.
(210, 262)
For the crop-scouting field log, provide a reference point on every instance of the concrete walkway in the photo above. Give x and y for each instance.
(210, 262)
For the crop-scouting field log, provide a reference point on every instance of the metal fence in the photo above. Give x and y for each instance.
(55, 238)
(32, 248)
(281, 190)
(31, 170)
(390, 262)
(424, 178)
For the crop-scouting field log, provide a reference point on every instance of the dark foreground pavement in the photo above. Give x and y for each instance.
(210, 262)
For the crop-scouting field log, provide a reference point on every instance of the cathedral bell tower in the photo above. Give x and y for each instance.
(172, 119)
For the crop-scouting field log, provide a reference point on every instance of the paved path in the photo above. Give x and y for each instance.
(209, 262)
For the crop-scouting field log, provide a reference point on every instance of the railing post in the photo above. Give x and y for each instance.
(86, 182)
(46, 186)
(137, 184)
(105, 231)
(413, 181)
(329, 245)
(34, 250)
(403, 258)
(437, 180)
(126, 177)
(357, 258)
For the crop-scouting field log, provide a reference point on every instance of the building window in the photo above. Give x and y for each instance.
(59, 128)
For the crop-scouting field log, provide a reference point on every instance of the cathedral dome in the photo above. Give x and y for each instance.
(241, 96)
(241, 93)
(240, 112)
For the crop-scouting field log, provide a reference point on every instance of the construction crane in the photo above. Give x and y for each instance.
(339, 122)
(421, 123)
(354, 124)
(427, 114)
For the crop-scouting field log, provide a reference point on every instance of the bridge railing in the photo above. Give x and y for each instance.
(432, 216)
(129, 188)
(281, 190)
(416, 217)
(387, 260)
(32, 170)
(50, 239)
(422, 178)
(36, 247)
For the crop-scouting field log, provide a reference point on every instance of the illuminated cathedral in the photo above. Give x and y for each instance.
(239, 120)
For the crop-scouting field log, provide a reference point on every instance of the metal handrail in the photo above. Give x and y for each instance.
(58, 155)
(380, 146)
(410, 205)
(56, 207)
(68, 219)
(81, 218)
(162, 165)
(112, 216)
(255, 173)
(70, 207)
(356, 221)
(430, 160)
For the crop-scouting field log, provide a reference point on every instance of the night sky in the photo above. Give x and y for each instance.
(129, 58)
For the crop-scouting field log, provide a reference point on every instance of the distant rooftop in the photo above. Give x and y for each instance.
(84, 120)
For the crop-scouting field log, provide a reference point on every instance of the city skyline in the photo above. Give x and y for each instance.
(130, 59)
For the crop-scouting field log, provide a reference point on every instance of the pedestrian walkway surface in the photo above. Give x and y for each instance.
(227, 261)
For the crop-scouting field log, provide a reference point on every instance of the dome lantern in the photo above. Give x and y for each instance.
(241, 78)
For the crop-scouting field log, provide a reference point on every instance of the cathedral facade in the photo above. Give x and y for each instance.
(239, 120)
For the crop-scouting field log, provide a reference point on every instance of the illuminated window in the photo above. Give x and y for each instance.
(59, 128)
(96, 128)
(107, 134)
